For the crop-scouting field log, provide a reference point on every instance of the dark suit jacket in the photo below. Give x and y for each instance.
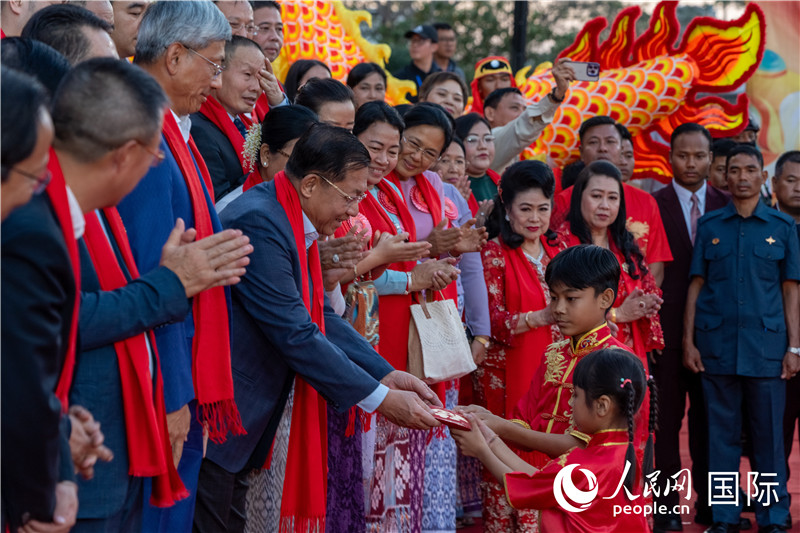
(273, 336)
(676, 272)
(154, 299)
(149, 213)
(220, 156)
(37, 303)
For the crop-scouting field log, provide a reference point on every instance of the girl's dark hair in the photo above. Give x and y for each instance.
(520, 177)
(619, 234)
(22, 100)
(428, 114)
(284, 123)
(296, 73)
(583, 266)
(37, 59)
(318, 92)
(618, 374)
(465, 123)
(361, 71)
(372, 112)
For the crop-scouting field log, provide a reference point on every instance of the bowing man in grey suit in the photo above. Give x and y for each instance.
(275, 337)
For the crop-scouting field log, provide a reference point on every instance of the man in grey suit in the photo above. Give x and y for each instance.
(274, 337)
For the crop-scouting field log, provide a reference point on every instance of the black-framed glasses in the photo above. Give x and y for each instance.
(350, 199)
(158, 155)
(283, 153)
(217, 68)
(426, 153)
(41, 181)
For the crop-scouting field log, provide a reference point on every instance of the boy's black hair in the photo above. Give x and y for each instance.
(583, 266)
(747, 149)
(689, 127)
(620, 375)
(721, 147)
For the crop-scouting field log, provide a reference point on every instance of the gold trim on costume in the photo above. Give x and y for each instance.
(520, 422)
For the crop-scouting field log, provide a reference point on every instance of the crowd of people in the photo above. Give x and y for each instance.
(208, 277)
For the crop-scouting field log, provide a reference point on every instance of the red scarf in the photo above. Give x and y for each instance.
(434, 203)
(261, 108)
(253, 179)
(57, 191)
(393, 310)
(305, 483)
(523, 293)
(149, 448)
(211, 350)
(473, 203)
(213, 111)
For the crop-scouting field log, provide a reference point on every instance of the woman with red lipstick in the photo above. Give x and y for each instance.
(514, 261)
(597, 216)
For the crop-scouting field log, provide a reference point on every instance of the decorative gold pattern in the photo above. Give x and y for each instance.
(520, 422)
(588, 342)
(555, 362)
(638, 228)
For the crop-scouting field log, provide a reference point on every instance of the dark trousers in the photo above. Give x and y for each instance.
(675, 382)
(221, 500)
(766, 399)
(178, 518)
(127, 520)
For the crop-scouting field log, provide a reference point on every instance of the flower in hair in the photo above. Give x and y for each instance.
(252, 146)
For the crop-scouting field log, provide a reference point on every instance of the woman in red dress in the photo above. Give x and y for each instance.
(514, 261)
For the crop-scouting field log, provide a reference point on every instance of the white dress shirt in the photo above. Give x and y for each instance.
(685, 199)
(371, 402)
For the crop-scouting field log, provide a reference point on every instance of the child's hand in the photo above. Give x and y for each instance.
(473, 443)
(487, 417)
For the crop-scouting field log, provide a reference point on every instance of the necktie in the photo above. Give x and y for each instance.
(694, 215)
(240, 126)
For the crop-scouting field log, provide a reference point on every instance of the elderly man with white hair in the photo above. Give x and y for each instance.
(182, 45)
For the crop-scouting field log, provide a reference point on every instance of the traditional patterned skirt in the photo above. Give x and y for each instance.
(439, 499)
(345, 506)
(394, 460)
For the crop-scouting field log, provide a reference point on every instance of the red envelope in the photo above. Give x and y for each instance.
(451, 419)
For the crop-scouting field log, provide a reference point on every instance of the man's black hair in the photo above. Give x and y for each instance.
(599, 120)
(747, 149)
(623, 132)
(60, 27)
(584, 266)
(690, 127)
(258, 4)
(23, 99)
(441, 26)
(721, 147)
(792, 156)
(494, 98)
(236, 42)
(41, 61)
(327, 150)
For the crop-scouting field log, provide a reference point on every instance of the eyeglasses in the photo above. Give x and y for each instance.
(283, 153)
(217, 68)
(474, 139)
(350, 199)
(158, 155)
(251, 29)
(427, 153)
(41, 181)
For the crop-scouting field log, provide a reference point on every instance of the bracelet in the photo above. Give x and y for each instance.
(553, 96)
(490, 441)
(527, 319)
(794, 350)
(355, 272)
(613, 315)
(483, 340)
(408, 282)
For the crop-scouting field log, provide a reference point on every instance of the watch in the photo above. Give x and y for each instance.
(794, 350)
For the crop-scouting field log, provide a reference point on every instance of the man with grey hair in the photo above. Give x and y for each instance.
(182, 45)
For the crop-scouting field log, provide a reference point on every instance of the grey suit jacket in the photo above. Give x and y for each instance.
(273, 337)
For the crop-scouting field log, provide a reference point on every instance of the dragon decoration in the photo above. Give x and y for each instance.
(646, 82)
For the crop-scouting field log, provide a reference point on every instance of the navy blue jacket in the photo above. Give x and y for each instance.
(740, 327)
(273, 336)
(155, 299)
